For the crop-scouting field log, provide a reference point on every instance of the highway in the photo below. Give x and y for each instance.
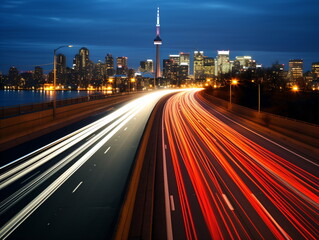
(223, 180)
(73, 188)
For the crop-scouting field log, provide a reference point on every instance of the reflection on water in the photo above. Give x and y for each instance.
(16, 97)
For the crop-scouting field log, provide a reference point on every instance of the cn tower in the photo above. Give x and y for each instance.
(157, 43)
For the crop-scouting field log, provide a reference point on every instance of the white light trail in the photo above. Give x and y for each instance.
(118, 120)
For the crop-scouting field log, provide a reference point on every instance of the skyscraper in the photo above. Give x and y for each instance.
(295, 71)
(122, 68)
(175, 59)
(60, 68)
(109, 62)
(146, 66)
(315, 69)
(223, 63)
(198, 65)
(84, 53)
(184, 59)
(38, 76)
(158, 43)
(209, 67)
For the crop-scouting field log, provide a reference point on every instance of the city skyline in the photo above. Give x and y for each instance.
(270, 32)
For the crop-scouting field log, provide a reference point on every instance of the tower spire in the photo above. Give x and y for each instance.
(157, 43)
(158, 17)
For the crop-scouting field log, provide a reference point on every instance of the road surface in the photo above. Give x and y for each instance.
(223, 180)
(73, 187)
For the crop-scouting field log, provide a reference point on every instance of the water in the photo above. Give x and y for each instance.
(12, 97)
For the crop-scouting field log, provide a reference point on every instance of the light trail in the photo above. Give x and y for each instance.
(92, 138)
(227, 171)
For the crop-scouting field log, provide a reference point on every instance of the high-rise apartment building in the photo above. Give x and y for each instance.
(295, 71)
(223, 63)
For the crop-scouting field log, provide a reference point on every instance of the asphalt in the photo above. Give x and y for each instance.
(242, 206)
(85, 203)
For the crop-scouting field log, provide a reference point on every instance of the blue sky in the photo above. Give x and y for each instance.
(267, 30)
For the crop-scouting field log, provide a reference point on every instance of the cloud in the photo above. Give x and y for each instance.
(246, 25)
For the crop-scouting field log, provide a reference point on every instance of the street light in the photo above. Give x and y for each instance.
(233, 82)
(111, 80)
(295, 88)
(133, 81)
(54, 78)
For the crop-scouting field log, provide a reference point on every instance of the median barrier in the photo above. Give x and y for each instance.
(21, 128)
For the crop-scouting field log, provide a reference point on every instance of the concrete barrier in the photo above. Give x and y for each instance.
(22, 128)
(298, 130)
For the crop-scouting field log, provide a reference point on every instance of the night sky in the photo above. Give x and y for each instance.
(269, 31)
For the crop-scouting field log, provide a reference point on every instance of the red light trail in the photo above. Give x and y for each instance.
(243, 189)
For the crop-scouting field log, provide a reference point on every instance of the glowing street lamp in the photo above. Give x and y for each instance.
(295, 88)
(233, 82)
(54, 78)
(133, 80)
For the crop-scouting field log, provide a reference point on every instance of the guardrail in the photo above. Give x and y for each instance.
(303, 131)
(17, 110)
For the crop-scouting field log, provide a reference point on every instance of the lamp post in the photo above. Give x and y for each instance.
(54, 78)
(111, 80)
(232, 82)
(133, 81)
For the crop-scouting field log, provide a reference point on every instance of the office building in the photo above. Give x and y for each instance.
(295, 71)
(209, 67)
(122, 67)
(146, 66)
(109, 64)
(223, 63)
(198, 65)
(315, 69)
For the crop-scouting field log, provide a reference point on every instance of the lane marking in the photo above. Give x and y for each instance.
(106, 151)
(172, 203)
(228, 202)
(30, 177)
(92, 147)
(125, 129)
(272, 219)
(169, 229)
(76, 188)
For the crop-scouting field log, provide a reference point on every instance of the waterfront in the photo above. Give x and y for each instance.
(19, 97)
